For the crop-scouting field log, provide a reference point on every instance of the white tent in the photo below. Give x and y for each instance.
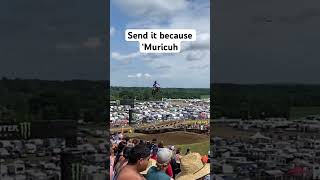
(258, 135)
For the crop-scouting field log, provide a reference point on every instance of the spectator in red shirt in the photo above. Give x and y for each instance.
(169, 170)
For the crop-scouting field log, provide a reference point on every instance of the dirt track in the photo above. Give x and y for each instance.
(168, 123)
(178, 137)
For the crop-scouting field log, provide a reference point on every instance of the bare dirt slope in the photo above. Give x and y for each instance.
(169, 138)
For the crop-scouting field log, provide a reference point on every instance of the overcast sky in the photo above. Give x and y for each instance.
(188, 69)
(266, 41)
(52, 39)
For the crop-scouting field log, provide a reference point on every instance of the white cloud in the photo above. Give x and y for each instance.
(164, 67)
(197, 55)
(202, 43)
(140, 76)
(172, 68)
(147, 24)
(135, 55)
(112, 30)
(205, 66)
(153, 9)
(127, 57)
(147, 76)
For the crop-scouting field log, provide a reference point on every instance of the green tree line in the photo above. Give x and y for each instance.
(262, 100)
(145, 93)
(25, 100)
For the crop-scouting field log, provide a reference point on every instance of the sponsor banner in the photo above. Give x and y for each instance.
(76, 170)
(25, 130)
(15, 131)
(38, 129)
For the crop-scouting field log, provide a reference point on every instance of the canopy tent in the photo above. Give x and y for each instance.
(258, 135)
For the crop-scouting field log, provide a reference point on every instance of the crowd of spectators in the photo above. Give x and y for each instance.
(136, 159)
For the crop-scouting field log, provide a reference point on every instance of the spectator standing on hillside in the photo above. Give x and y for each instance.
(178, 156)
(137, 162)
(192, 168)
(188, 151)
(154, 153)
(164, 156)
(154, 144)
(119, 152)
(154, 156)
(123, 160)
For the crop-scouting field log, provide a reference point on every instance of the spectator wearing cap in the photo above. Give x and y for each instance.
(137, 162)
(192, 168)
(154, 156)
(164, 156)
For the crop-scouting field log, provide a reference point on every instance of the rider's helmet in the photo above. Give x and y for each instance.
(155, 82)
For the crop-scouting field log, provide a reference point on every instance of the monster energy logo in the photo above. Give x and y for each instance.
(8, 130)
(76, 169)
(25, 130)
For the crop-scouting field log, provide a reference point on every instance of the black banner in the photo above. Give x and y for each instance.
(38, 129)
(129, 102)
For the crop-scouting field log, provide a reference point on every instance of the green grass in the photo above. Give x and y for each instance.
(204, 96)
(201, 148)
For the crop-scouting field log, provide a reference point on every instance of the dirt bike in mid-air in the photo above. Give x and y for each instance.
(155, 89)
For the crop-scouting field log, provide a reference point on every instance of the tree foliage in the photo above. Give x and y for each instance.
(257, 101)
(144, 93)
(24, 100)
